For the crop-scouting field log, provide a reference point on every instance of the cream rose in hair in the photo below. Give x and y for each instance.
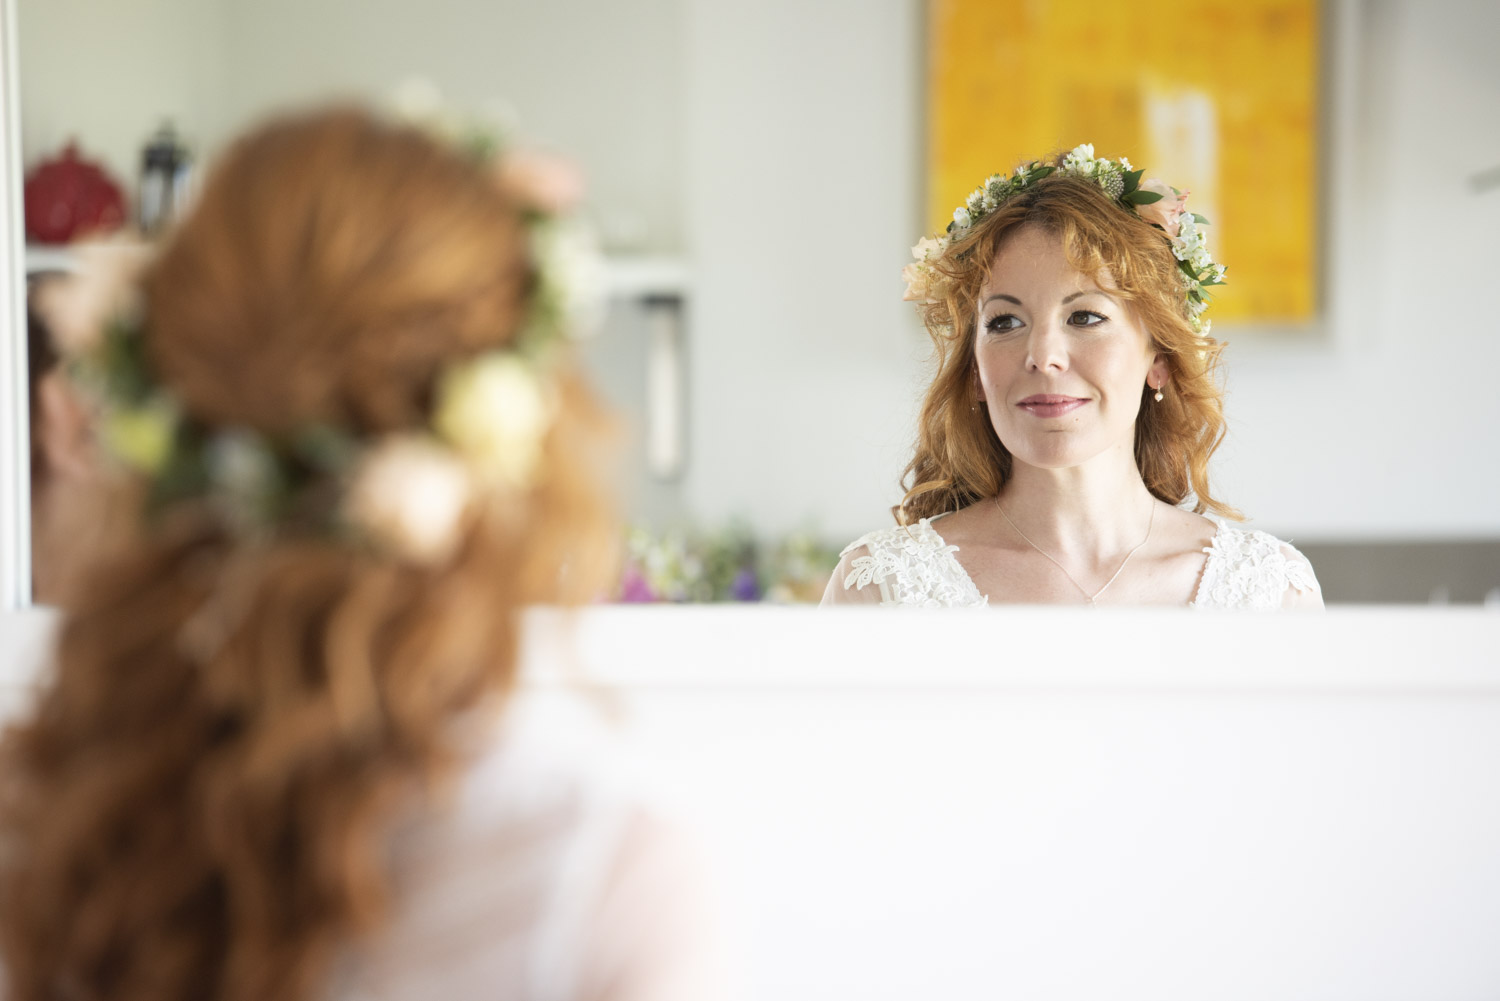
(411, 494)
(542, 180)
(921, 278)
(1166, 213)
(495, 412)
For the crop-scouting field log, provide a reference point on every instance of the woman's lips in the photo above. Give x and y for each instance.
(1049, 405)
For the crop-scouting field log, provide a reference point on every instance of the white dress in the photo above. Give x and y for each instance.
(915, 567)
(547, 873)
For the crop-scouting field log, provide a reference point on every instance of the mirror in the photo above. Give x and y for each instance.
(756, 176)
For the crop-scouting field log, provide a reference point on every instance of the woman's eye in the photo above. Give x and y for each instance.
(1086, 318)
(1002, 323)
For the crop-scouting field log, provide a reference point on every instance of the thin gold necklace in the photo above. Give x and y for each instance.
(1092, 598)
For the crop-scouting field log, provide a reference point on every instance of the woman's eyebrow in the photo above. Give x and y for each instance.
(1088, 291)
(1001, 295)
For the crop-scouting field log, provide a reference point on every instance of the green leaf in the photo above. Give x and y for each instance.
(1141, 197)
(1200, 220)
(1041, 172)
(1133, 180)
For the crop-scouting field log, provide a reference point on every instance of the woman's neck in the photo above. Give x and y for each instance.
(1083, 513)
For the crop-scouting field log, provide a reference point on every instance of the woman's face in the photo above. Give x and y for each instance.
(1061, 362)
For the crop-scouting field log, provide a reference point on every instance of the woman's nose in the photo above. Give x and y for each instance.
(1047, 347)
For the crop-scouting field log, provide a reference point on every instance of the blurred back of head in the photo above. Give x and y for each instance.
(329, 272)
(198, 806)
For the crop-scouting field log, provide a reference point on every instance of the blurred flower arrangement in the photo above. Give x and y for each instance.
(688, 565)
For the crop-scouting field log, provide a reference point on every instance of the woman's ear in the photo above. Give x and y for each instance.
(1160, 373)
(63, 432)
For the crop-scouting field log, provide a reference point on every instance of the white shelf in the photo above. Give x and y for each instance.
(627, 276)
(638, 276)
(43, 257)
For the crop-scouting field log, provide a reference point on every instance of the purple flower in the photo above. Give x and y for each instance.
(634, 587)
(745, 586)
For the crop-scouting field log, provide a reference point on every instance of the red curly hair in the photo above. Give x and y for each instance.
(959, 459)
(198, 805)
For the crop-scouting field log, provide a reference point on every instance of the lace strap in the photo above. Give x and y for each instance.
(912, 566)
(1250, 569)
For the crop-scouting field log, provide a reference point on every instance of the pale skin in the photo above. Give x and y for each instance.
(1061, 368)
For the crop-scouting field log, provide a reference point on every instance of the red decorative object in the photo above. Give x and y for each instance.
(69, 197)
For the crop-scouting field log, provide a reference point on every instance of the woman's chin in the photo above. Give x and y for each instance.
(1055, 452)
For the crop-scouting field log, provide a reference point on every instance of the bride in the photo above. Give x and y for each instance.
(1063, 446)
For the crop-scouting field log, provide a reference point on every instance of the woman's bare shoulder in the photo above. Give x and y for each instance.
(1186, 531)
(963, 526)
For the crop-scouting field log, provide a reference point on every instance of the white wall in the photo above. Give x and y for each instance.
(600, 80)
(780, 142)
(803, 170)
(110, 73)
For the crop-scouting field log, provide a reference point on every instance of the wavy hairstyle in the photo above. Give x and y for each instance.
(959, 459)
(198, 805)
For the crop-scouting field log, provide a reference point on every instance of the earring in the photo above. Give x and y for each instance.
(1158, 394)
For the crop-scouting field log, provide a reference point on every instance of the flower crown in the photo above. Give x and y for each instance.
(1151, 200)
(406, 492)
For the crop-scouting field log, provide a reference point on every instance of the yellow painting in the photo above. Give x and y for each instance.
(1217, 97)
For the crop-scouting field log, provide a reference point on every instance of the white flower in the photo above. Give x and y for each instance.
(919, 277)
(928, 248)
(915, 276)
(1080, 158)
(920, 282)
(495, 412)
(416, 100)
(572, 272)
(975, 201)
(419, 103)
(1188, 242)
(1125, 165)
(411, 494)
(989, 203)
(961, 218)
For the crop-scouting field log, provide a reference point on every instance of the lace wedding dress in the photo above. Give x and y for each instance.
(915, 567)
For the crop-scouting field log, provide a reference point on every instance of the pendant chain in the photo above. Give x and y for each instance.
(1092, 598)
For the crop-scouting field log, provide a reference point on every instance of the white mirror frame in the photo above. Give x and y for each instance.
(15, 434)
